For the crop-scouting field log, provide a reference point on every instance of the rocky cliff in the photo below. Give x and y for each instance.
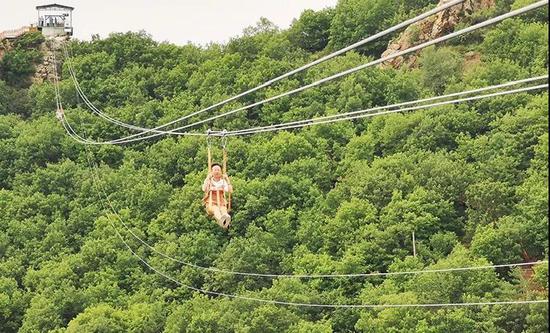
(45, 71)
(432, 27)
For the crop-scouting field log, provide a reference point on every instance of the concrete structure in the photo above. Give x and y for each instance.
(55, 20)
(13, 34)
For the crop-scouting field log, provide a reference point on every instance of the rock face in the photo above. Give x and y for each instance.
(432, 27)
(5, 46)
(43, 71)
(46, 71)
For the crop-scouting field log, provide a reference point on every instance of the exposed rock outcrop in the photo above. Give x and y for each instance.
(46, 71)
(5, 46)
(432, 27)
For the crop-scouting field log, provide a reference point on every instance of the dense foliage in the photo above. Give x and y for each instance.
(470, 180)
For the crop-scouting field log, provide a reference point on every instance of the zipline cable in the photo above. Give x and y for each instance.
(276, 302)
(312, 305)
(365, 113)
(301, 276)
(306, 121)
(265, 84)
(97, 111)
(90, 105)
(315, 305)
(305, 276)
(480, 25)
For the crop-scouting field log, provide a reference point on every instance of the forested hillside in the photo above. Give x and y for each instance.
(470, 180)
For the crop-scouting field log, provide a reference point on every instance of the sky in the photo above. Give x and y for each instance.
(178, 22)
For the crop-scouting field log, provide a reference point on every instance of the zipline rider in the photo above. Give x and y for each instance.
(215, 186)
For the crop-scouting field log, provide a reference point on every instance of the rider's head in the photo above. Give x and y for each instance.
(216, 169)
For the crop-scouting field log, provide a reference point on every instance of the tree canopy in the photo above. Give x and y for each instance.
(470, 180)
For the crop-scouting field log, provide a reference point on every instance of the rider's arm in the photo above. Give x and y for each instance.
(228, 187)
(206, 184)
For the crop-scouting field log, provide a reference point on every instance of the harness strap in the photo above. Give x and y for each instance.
(224, 170)
(209, 169)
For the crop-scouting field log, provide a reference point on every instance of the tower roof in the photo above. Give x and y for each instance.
(54, 5)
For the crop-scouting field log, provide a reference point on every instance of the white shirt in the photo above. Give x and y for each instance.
(216, 185)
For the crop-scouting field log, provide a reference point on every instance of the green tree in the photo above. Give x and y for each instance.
(357, 19)
(100, 318)
(520, 42)
(311, 30)
(18, 64)
(440, 67)
(471, 180)
(13, 302)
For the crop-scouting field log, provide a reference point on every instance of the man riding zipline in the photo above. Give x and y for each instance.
(215, 187)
